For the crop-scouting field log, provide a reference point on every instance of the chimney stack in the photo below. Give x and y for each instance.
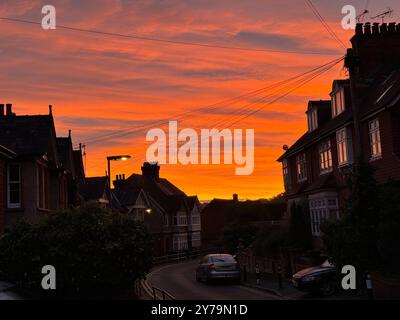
(1, 109)
(367, 29)
(375, 28)
(9, 110)
(151, 170)
(235, 197)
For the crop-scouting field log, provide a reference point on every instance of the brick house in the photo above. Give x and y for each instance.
(316, 167)
(5, 155)
(41, 177)
(172, 217)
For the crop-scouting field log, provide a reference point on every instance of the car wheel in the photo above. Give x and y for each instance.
(327, 288)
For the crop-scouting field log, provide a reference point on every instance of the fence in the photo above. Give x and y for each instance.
(182, 256)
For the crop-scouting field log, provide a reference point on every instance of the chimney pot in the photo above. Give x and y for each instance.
(235, 197)
(383, 28)
(151, 170)
(50, 109)
(359, 29)
(392, 27)
(1, 109)
(375, 28)
(9, 109)
(367, 29)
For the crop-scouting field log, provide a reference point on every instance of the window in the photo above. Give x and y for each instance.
(321, 209)
(42, 187)
(180, 219)
(325, 157)
(138, 214)
(286, 177)
(344, 146)
(195, 219)
(301, 167)
(338, 102)
(196, 239)
(14, 186)
(166, 220)
(312, 119)
(375, 139)
(179, 242)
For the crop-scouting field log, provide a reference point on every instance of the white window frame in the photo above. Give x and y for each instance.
(338, 102)
(312, 117)
(195, 219)
(375, 140)
(180, 219)
(344, 146)
(179, 242)
(13, 205)
(301, 167)
(325, 157)
(286, 173)
(322, 208)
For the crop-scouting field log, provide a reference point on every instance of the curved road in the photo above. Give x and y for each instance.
(179, 280)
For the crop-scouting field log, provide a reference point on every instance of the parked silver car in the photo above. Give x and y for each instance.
(217, 266)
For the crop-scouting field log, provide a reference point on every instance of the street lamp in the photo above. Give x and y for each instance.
(114, 158)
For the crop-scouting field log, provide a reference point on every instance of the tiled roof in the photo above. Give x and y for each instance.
(93, 188)
(26, 135)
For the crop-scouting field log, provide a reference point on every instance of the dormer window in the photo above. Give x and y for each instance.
(312, 118)
(338, 104)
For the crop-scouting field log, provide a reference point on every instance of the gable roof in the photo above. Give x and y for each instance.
(93, 188)
(27, 135)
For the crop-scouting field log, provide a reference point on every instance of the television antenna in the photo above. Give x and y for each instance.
(360, 17)
(388, 13)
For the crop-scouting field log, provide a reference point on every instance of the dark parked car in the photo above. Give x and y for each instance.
(217, 266)
(323, 279)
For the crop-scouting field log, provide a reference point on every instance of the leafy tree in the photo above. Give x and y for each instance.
(94, 251)
(353, 239)
(233, 234)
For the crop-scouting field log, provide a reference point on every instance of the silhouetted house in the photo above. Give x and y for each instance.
(6, 190)
(94, 189)
(163, 207)
(317, 166)
(220, 213)
(38, 177)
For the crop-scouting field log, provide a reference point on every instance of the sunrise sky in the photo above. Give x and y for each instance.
(102, 85)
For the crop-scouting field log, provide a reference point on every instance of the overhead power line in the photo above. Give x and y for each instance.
(325, 25)
(210, 108)
(166, 41)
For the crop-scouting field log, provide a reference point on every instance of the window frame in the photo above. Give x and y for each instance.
(301, 167)
(338, 102)
(325, 157)
(344, 146)
(322, 208)
(14, 205)
(312, 117)
(286, 173)
(375, 133)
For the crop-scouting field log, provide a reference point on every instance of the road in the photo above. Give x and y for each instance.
(179, 280)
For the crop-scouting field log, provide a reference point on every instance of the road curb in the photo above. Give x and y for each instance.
(268, 290)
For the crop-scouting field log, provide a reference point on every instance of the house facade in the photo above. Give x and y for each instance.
(360, 122)
(171, 216)
(40, 177)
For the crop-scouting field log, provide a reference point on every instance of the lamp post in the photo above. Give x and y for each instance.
(114, 158)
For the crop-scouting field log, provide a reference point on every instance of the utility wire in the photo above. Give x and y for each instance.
(326, 26)
(175, 42)
(209, 108)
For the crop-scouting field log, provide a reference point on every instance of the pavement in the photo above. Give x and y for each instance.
(270, 283)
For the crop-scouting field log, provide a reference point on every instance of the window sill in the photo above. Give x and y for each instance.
(321, 173)
(375, 158)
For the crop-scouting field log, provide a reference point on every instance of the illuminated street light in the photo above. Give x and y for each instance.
(114, 158)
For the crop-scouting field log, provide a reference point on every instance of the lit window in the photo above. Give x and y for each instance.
(301, 165)
(344, 145)
(286, 177)
(14, 186)
(312, 119)
(325, 157)
(338, 102)
(375, 139)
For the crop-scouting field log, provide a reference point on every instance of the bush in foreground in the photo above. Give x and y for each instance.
(94, 251)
